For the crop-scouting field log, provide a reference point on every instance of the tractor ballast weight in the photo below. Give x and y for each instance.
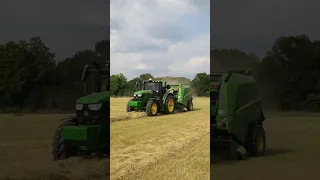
(157, 96)
(87, 132)
(236, 116)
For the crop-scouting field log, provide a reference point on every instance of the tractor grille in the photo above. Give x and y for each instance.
(137, 98)
(89, 117)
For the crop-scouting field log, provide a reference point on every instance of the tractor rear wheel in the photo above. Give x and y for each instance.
(61, 149)
(152, 108)
(169, 105)
(190, 105)
(257, 146)
(129, 108)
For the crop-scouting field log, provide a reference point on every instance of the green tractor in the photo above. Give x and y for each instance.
(236, 117)
(157, 96)
(87, 133)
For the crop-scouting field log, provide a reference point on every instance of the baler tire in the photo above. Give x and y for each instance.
(258, 133)
(166, 108)
(60, 149)
(150, 103)
(190, 105)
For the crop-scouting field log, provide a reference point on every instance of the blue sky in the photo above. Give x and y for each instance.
(163, 38)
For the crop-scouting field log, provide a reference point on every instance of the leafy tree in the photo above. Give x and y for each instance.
(201, 83)
(146, 76)
(118, 84)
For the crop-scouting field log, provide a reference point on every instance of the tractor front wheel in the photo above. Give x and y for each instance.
(61, 149)
(169, 105)
(152, 108)
(129, 108)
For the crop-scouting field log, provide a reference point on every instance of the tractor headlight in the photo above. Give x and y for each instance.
(139, 95)
(94, 107)
(79, 107)
(134, 95)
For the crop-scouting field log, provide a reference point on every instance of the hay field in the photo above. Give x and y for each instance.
(172, 146)
(293, 151)
(25, 152)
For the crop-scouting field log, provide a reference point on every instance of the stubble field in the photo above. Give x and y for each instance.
(25, 152)
(292, 151)
(172, 146)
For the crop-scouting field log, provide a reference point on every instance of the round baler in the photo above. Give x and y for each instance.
(236, 117)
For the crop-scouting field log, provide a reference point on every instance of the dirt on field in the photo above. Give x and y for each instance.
(174, 146)
(292, 151)
(25, 152)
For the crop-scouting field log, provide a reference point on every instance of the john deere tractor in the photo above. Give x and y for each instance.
(157, 96)
(87, 133)
(236, 117)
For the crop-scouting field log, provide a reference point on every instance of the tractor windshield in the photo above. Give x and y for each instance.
(154, 86)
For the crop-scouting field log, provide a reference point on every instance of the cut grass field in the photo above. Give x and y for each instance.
(172, 146)
(292, 152)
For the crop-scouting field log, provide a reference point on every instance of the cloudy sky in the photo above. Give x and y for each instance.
(66, 26)
(253, 25)
(161, 37)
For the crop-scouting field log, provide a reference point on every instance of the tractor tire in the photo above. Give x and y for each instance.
(60, 149)
(169, 105)
(128, 108)
(152, 108)
(257, 142)
(190, 105)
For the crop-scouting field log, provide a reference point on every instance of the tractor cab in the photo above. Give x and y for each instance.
(150, 84)
(95, 78)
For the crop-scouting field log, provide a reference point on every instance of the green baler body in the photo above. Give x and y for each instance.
(93, 125)
(236, 103)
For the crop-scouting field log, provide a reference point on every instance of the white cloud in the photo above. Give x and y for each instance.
(149, 36)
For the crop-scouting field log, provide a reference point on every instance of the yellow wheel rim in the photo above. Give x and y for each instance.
(191, 106)
(154, 109)
(260, 143)
(170, 105)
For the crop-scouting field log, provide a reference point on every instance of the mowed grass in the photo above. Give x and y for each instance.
(293, 152)
(172, 146)
(25, 151)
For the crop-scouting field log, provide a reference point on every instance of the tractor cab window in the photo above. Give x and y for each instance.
(154, 86)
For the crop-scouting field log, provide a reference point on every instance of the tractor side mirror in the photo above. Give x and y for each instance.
(168, 86)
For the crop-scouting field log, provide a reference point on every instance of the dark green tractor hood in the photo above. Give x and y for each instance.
(143, 92)
(94, 98)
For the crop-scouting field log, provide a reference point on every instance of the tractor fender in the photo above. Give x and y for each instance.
(170, 92)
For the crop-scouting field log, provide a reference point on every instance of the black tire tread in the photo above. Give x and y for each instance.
(149, 106)
(166, 110)
(61, 150)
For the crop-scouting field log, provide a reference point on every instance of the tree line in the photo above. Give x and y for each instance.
(121, 86)
(288, 74)
(31, 78)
